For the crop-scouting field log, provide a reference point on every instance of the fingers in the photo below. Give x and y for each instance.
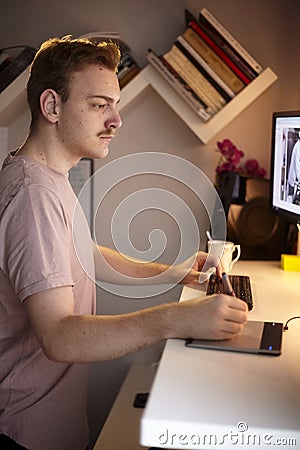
(210, 264)
(230, 330)
(216, 317)
(236, 310)
(233, 314)
(210, 261)
(219, 269)
(204, 276)
(234, 302)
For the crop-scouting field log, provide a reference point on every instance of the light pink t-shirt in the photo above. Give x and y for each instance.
(42, 403)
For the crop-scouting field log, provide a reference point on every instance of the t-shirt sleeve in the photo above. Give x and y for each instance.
(36, 242)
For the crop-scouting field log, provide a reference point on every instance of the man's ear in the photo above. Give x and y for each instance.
(49, 104)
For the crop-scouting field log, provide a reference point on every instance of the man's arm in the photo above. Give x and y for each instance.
(113, 267)
(72, 338)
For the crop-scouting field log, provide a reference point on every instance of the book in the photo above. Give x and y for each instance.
(15, 67)
(207, 16)
(196, 26)
(179, 86)
(194, 79)
(5, 59)
(204, 68)
(128, 67)
(230, 52)
(126, 61)
(128, 75)
(122, 72)
(173, 71)
(213, 60)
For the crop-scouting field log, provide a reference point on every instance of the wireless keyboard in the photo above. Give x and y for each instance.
(240, 284)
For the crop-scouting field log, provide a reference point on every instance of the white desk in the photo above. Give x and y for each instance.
(208, 399)
(121, 429)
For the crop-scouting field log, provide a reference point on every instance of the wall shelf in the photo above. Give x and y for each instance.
(205, 131)
(13, 100)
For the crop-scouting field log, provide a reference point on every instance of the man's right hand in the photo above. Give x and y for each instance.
(215, 317)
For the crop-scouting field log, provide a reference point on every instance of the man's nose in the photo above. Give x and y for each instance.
(114, 121)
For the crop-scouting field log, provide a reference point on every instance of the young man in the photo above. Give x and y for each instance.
(48, 328)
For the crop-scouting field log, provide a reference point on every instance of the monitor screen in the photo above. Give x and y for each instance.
(285, 165)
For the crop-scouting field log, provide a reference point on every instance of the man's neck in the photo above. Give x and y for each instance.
(46, 152)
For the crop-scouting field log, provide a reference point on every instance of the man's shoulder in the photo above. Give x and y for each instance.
(30, 171)
(21, 177)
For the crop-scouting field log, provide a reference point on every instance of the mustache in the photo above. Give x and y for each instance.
(110, 132)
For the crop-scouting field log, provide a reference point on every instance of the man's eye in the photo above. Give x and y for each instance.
(102, 106)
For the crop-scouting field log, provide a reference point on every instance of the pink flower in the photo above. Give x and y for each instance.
(236, 156)
(251, 166)
(230, 161)
(261, 172)
(226, 147)
(231, 155)
(253, 169)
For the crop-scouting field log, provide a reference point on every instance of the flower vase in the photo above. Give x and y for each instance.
(231, 187)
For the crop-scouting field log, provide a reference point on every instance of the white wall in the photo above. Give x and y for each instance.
(267, 28)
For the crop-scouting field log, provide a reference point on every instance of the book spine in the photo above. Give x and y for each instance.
(204, 68)
(226, 47)
(173, 71)
(219, 52)
(187, 86)
(231, 40)
(209, 70)
(193, 73)
(184, 91)
(128, 76)
(194, 79)
(213, 60)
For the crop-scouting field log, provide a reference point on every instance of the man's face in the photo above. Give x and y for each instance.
(89, 118)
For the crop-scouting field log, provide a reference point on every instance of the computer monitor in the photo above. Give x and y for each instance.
(285, 165)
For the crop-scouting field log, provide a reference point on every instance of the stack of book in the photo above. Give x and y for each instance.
(128, 67)
(127, 70)
(206, 65)
(5, 59)
(12, 66)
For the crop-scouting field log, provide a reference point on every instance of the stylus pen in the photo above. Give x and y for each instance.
(227, 285)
